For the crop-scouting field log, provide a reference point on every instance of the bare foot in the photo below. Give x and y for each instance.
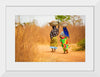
(52, 50)
(65, 52)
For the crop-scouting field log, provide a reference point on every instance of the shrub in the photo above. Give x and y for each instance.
(81, 44)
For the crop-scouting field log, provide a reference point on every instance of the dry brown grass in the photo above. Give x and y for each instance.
(27, 38)
(25, 43)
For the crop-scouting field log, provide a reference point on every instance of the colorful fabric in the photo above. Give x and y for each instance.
(62, 34)
(66, 31)
(53, 42)
(54, 33)
(64, 41)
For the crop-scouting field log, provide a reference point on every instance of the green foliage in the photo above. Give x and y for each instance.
(28, 23)
(81, 44)
(62, 17)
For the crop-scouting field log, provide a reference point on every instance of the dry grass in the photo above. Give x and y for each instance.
(27, 38)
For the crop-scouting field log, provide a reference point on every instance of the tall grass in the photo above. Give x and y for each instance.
(27, 39)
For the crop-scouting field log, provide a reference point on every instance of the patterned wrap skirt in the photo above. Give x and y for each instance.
(54, 43)
(64, 43)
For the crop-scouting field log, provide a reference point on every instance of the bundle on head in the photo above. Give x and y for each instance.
(53, 23)
(64, 24)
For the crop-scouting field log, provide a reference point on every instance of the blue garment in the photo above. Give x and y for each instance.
(53, 47)
(65, 31)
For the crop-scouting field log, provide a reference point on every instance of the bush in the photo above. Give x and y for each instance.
(81, 44)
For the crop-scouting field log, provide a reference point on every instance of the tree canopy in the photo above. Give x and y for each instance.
(62, 17)
(71, 19)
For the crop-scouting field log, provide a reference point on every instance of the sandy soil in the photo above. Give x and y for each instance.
(45, 55)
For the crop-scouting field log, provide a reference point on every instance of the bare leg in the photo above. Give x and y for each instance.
(54, 50)
(66, 51)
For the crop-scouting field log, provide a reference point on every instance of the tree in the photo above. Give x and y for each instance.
(76, 20)
(34, 22)
(71, 19)
(61, 18)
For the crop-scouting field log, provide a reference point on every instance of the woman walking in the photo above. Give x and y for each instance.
(53, 35)
(64, 37)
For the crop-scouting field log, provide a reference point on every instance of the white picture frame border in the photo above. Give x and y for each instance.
(51, 66)
(4, 73)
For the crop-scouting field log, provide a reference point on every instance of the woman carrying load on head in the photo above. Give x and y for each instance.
(53, 35)
(64, 37)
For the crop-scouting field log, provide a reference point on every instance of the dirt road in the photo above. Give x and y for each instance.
(45, 55)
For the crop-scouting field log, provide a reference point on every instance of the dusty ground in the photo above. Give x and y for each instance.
(27, 50)
(45, 55)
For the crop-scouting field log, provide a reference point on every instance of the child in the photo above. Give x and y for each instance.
(64, 38)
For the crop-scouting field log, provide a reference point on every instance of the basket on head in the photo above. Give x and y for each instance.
(53, 23)
(64, 24)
